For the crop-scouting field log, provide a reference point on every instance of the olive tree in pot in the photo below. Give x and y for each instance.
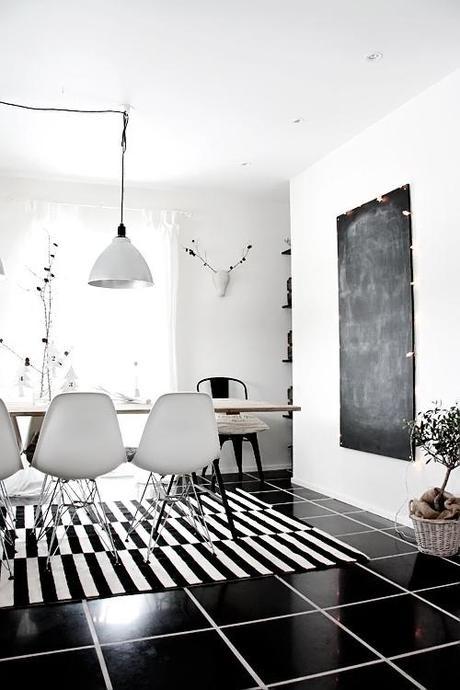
(436, 514)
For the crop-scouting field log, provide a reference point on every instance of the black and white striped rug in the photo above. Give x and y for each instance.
(270, 543)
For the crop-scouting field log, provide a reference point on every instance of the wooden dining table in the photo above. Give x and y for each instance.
(221, 405)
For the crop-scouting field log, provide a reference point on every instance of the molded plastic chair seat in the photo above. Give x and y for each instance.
(80, 437)
(180, 437)
(80, 440)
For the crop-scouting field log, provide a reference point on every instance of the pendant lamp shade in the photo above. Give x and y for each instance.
(120, 266)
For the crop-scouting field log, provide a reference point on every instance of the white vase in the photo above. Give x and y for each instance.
(221, 280)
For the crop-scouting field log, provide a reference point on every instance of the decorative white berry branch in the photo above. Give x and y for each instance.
(50, 359)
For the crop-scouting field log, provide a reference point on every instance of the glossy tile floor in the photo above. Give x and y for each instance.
(393, 623)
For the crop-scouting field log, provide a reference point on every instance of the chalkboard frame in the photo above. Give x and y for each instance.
(388, 248)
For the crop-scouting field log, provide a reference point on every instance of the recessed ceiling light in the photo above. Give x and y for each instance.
(374, 57)
(297, 121)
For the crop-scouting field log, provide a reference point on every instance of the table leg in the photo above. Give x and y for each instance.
(14, 421)
(223, 495)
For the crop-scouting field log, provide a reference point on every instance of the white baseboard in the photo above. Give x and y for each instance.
(402, 518)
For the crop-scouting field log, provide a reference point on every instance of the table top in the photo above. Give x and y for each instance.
(224, 405)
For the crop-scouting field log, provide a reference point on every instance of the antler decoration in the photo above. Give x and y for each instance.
(221, 277)
(195, 251)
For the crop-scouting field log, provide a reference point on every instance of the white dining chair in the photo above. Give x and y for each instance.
(10, 463)
(180, 437)
(80, 440)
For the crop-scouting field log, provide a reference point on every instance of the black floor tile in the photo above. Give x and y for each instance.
(416, 571)
(42, 629)
(339, 506)
(340, 586)
(376, 544)
(274, 497)
(336, 524)
(403, 532)
(303, 509)
(447, 598)
(235, 602)
(434, 670)
(144, 615)
(237, 477)
(455, 559)
(77, 669)
(274, 474)
(373, 520)
(251, 486)
(380, 675)
(283, 484)
(297, 646)
(197, 660)
(308, 493)
(399, 625)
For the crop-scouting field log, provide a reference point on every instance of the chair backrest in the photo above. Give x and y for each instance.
(219, 386)
(10, 457)
(80, 437)
(180, 435)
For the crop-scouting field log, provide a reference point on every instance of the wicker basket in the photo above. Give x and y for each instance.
(437, 537)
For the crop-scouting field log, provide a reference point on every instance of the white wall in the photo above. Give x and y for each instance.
(243, 334)
(417, 144)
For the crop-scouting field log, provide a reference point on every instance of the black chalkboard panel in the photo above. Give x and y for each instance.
(376, 325)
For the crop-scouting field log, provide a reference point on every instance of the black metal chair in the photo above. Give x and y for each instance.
(239, 427)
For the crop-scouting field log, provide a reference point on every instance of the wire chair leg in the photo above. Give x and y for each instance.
(4, 560)
(42, 499)
(45, 521)
(157, 527)
(57, 519)
(201, 513)
(9, 517)
(134, 523)
(105, 525)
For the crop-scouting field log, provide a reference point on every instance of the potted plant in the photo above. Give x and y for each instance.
(436, 515)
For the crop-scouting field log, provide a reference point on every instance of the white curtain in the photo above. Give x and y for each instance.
(121, 340)
(165, 229)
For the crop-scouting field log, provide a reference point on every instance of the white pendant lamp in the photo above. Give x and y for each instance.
(121, 265)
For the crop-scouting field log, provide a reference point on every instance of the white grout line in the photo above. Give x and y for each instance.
(51, 651)
(392, 555)
(230, 645)
(155, 637)
(350, 632)
(324, 673)
(269, 618)
(280, 683)
(413, 593)
(350, 534)
(430, 649)
(363, 601)
(428, 589)
(100, 656)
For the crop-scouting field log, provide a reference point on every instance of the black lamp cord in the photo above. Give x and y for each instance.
(121, 227)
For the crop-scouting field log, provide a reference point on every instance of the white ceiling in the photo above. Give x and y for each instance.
(213, 83)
